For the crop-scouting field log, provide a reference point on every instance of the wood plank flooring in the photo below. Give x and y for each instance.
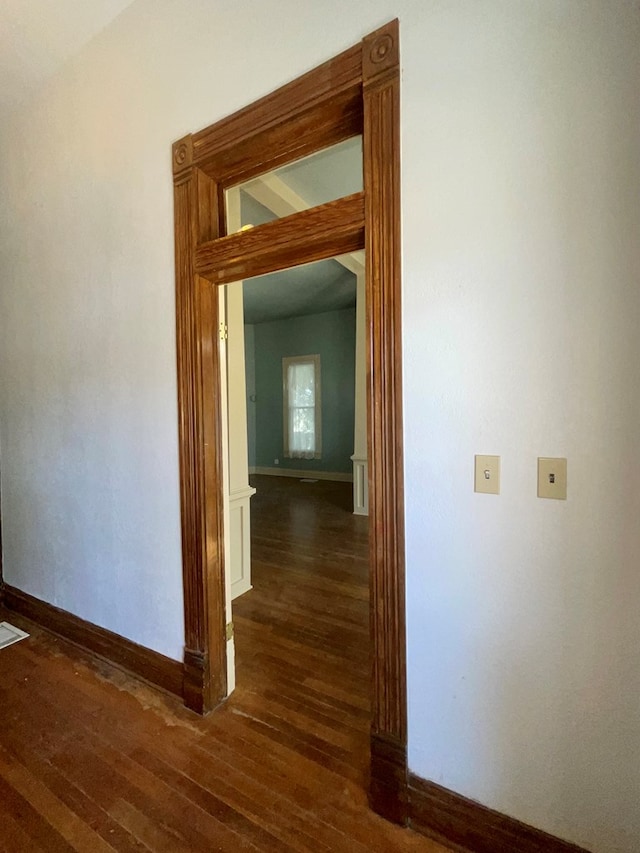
(93, 760)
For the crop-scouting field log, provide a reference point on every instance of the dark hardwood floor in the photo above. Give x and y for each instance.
(302, 633)
(93, 760)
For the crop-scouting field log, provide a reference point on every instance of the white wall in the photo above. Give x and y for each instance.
(520, 125)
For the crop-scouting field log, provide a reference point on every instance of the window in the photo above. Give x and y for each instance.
(302, 416)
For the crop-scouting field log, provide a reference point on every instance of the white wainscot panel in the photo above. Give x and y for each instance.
(360, 486)
(240, 535)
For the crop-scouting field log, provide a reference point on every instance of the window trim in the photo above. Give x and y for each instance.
(286, 362)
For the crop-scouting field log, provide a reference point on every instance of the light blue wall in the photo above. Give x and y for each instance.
(333, 336)
(250, 372)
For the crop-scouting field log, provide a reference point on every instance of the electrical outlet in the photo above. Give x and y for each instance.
(276, 461)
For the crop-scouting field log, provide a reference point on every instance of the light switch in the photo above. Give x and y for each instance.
(487, 475)
(552, 478)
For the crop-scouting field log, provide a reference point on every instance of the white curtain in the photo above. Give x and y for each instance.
(301, 406)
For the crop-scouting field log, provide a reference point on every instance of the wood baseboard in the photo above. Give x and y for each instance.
(144, 663)
(469, 827)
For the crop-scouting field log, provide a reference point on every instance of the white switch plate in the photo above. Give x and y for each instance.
(552, 478)
(487, 475)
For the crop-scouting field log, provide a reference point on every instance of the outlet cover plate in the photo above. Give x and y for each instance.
(552, 478)
(487, 475)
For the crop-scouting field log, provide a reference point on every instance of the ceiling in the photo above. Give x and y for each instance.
(38, 36)
(323, 176)
(309, 289)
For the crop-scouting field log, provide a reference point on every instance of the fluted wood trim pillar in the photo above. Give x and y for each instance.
(196, 219)
(381, 93)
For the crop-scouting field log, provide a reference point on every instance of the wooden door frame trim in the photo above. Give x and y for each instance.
(356, 92)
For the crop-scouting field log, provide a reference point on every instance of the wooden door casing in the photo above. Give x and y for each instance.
(356, 92)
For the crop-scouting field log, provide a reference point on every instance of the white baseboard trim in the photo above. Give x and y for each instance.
(336, 476)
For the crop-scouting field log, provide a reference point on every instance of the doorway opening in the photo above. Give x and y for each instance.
(294, 370)
(299, 576)
(357, 93)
